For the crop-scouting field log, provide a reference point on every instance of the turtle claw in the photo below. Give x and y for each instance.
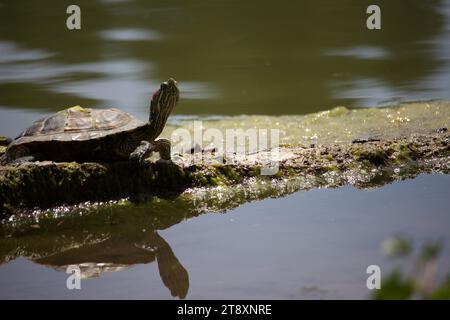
(142, 152)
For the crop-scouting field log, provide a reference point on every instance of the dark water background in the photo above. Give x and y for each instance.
(230, 58)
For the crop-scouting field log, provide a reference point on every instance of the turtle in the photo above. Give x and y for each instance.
(96, 135)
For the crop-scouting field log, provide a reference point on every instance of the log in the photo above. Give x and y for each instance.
(47, 184)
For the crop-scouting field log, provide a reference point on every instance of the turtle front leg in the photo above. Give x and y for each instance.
(142, 152)
(145, 150)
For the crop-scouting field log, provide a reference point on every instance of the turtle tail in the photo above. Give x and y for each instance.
(4, 142)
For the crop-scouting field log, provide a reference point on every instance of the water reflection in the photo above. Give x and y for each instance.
(360, 53)
(12, 53)
(130, 35)
(115, 255)
(107, 240)
(314, 244)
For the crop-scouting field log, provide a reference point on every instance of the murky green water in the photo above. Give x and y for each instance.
(277, 62)
(231, 57)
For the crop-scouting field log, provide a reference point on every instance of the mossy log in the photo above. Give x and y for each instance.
(46, 184)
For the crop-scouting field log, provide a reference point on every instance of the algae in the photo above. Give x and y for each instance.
(77, 109)
(338, 125)
(362, 162)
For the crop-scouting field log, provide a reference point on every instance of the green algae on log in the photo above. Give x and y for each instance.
(46, 184)
(316, 151)
(338, 125)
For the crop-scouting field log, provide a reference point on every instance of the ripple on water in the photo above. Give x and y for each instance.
(130, 34)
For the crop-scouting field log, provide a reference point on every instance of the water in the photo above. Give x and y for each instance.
(231, 58)
(308, 245)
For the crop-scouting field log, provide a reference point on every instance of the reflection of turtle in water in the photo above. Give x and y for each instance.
(82, 134)
(116, 254)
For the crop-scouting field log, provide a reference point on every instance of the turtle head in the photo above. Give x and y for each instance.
(167, 95)
(163, 102)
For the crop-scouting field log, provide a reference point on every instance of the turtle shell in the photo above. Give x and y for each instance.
(78, 124)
